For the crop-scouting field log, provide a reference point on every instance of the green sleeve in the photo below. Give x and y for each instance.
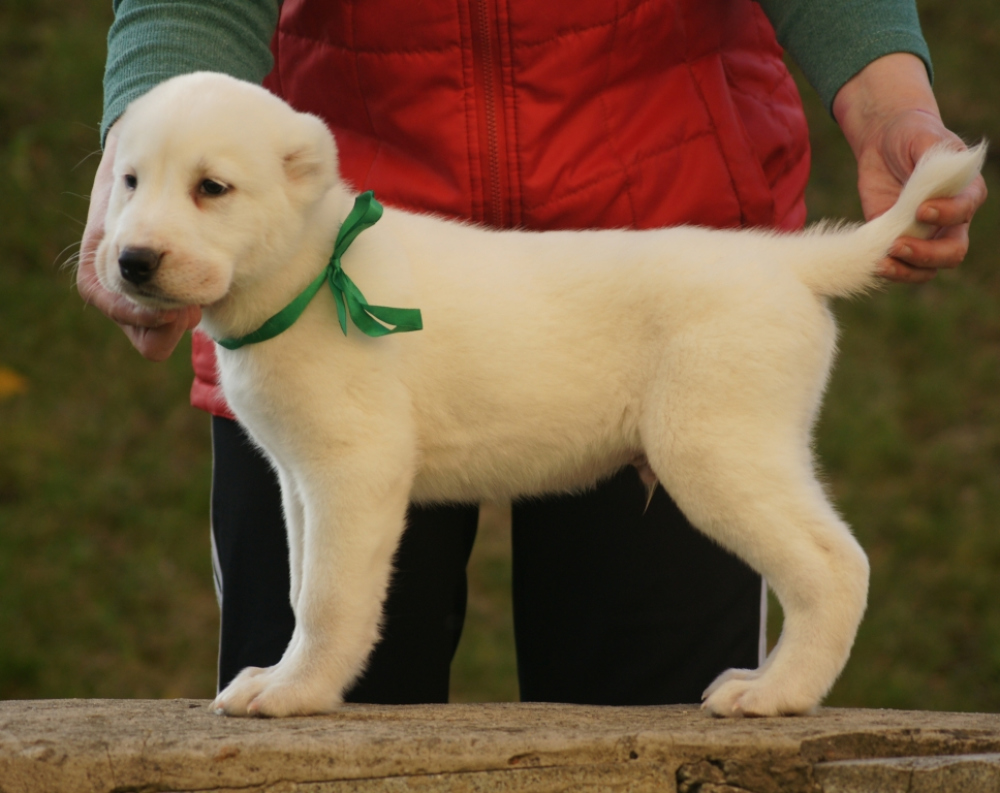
(153, 40)
(833, 40)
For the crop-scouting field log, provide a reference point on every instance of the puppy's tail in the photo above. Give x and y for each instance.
(851, 256)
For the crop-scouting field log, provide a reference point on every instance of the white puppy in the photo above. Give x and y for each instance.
(547, 361)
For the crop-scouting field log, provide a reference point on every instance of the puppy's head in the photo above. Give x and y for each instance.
(214, 180)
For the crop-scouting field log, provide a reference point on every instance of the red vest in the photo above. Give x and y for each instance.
(518, 113)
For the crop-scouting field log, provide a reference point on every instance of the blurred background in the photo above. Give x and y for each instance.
(105, 579)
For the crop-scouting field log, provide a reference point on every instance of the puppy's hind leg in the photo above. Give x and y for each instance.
(773, 514)
(731, 445)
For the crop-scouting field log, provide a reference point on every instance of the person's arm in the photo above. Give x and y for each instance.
(153, 40)
(869, 63)
(833, 40)
(149, 42)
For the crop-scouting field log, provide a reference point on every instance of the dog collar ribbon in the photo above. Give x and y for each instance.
(370, 320)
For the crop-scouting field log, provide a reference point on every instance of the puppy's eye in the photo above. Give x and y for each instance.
(211, 187)
(131, 181)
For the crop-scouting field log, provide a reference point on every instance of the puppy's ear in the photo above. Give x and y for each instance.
(310, 157)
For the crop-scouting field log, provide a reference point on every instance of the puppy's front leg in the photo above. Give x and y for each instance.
(353, 519)
(294, 513)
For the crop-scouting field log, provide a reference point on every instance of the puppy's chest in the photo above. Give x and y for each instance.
(252, 388)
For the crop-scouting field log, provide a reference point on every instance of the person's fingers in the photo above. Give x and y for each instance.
(100, 195)
(947, 250)
(155, 334)
(157, 344)
(956, 210)
(901, 273)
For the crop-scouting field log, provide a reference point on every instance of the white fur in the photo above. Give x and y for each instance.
(547, 361)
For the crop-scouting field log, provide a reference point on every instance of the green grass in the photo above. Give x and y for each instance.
(105, 582)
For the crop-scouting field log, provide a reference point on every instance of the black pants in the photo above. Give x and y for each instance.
(611, 606)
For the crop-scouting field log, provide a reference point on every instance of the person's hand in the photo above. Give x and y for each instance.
(890, 118)
(155, 334)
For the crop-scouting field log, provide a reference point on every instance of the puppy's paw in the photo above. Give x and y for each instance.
(274, 692)
(736, 697)
(730, 674)
(280, 699)
(235, 699)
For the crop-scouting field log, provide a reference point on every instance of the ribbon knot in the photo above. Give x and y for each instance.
(370, 320)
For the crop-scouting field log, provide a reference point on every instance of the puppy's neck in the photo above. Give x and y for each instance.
(289, 267)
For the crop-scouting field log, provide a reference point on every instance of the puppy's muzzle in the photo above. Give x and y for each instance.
(137, 265)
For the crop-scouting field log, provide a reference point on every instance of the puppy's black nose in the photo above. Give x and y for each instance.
(137, 265)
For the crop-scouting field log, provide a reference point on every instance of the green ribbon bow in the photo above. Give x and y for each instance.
(346, 295)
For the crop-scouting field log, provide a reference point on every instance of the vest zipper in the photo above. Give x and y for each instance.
(489, 111)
